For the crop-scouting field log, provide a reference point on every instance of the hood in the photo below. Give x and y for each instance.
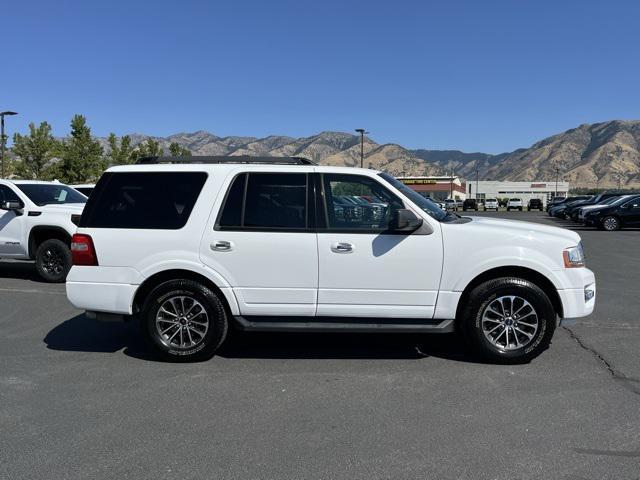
(63, 208)
(593, 207)
(520, 228)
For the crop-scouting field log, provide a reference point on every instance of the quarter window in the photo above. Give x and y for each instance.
(358, 203)
(146, 200)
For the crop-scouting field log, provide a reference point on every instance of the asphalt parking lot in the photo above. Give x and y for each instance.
(81, 399)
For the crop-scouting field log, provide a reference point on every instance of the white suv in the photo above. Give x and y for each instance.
(37, 222)
(515, 204)
(268, 243)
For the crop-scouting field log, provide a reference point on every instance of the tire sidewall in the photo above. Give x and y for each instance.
(64, 250)
(215, 311)
(521, 288)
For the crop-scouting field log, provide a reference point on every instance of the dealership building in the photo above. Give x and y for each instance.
(443, 187)
(545, 191)
(437, 188)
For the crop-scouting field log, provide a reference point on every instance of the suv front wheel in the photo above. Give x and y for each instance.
(508, 320)
(184, 321)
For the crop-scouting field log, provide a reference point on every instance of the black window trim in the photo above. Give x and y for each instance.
(309, 206)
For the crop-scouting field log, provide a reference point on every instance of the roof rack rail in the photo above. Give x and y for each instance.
(226, 159)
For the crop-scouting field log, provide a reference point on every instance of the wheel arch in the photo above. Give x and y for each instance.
(40, 233)
(525, 273)
(225, 294)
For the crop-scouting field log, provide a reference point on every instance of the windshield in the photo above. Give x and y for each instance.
(47, 194)
(425, 204)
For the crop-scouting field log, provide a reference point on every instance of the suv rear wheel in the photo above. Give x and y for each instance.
(508, 320)
(184, 321)
(53, 260)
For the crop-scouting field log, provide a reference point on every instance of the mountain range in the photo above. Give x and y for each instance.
(590, 155)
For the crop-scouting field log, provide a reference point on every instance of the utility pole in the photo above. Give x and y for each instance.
(2, 114)
(619, 180)
(477, 178)
(557, 173)
(362, 133)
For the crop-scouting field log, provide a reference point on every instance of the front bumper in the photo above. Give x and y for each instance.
(578, 301)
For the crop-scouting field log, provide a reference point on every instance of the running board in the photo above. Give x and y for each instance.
(342, 324)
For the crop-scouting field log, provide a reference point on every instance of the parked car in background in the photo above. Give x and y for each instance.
(450, 204)
(555, 201)
(85, 188)
(571, 212)
(535, 204)
(470, 204)
(582, 210)
(37, 220)
(190, 249)
(624, 212)
(558, 210)
(514, 204)
(491, 204)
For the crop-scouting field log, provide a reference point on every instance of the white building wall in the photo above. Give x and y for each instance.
(545, 191)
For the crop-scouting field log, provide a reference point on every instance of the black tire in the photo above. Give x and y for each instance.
(213, 306)
(471, 326)
(611, 223)
(53, 260)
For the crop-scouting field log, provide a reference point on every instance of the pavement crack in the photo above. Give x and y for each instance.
(631, 384)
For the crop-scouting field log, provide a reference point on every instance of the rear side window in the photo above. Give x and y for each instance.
(266, 201)
(144, 200)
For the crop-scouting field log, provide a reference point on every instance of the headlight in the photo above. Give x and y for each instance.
(574, 256)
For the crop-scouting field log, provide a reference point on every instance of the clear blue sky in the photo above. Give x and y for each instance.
(472, 75)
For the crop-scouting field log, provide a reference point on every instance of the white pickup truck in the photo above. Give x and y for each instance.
(37, 222)
(189, 246)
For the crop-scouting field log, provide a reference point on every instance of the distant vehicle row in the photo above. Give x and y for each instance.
(606, 211)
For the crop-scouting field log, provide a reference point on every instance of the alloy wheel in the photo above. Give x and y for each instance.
(610, 223)
(509, 322)
(182, 322)
(53, 261)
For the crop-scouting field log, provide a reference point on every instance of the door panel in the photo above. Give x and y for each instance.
(376, 273)
(264, 246)
(11, 227)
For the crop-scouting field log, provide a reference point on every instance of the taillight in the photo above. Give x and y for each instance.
(82, 250)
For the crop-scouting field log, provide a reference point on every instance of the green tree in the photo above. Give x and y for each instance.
(35, 150)
(80, 155)
(148, 148)
(177, 150)
(120, 153)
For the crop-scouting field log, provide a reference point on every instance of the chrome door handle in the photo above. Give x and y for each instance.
(342, 247)
(221, 246)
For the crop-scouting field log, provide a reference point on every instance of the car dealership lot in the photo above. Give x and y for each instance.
(80, 399)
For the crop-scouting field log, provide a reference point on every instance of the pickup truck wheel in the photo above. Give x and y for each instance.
(508, 320)
(53, 260)
(184, 321)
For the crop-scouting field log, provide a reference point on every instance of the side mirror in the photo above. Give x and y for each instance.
(405, 221)
(8, 205)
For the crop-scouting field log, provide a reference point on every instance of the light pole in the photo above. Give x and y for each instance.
(362, 133)
(2, 114)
